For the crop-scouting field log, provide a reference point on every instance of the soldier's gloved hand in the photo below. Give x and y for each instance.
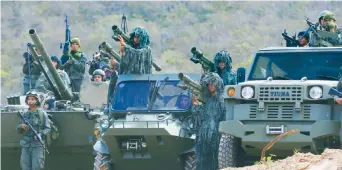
(69, 61)
(25, 127)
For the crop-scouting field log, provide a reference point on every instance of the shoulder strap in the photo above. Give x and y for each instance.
(41, 116)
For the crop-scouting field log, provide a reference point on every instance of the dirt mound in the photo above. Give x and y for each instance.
(330, 159)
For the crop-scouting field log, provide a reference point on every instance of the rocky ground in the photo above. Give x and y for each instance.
(330, 159)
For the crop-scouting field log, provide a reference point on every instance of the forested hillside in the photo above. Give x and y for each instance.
(174, 27)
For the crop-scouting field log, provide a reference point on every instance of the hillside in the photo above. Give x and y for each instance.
(174, 27)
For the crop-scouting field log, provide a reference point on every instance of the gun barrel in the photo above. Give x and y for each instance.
(111, 51)
(118, 31)
(65, 93)
(188, 81)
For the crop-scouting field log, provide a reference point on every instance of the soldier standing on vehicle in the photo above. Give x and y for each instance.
(32, 71)
(136, 56)
(32, 152)
(330, 22)
(208, 117)
(75, 64)
(98, 76)
(303, 39)
(321, 22)
(223, 67)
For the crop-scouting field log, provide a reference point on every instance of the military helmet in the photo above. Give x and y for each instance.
(329, 16)
(34, 94)
(99, 72)
(76, 40)
(321, 14)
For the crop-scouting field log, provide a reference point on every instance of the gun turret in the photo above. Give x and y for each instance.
(198, 57)
(65, 93)
(194, 87)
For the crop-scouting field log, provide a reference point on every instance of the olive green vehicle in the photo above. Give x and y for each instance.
(285, 89)
(146, 126)
(72, 148)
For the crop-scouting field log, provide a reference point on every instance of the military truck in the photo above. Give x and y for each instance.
(147, 125)
(285, 89)
(70, 151)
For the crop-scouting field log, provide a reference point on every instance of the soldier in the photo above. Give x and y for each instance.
(75, 65)
(32, 71)
(183, 102)
(321, 20)
(329, 19)
(303, 39)
(49, 104)
(223, 67)
(114, 75)
(42, 82)
(32, 152)
(136, 56)
(98, 76)
(208, 117)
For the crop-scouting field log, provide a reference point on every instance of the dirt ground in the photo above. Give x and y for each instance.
(330, 159)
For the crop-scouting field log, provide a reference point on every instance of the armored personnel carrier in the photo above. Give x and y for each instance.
(146, 126)
(70, 151)
(285, 89)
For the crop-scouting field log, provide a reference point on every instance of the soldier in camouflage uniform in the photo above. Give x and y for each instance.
(321, 22)
(75, 64)
(208, 117)
(32, 152)
(43, 83)
(223, 67)
(330, 22)
(32, 71)
(137, 55)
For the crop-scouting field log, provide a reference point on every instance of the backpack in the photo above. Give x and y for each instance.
(54, 134)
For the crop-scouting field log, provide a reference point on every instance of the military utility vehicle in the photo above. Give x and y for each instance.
(146, 126)
(285, 89)
(70, 150)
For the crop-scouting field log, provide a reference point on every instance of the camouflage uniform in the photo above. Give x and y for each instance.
(137, 59)
(75, 66)
(31, 70)
(321, 15)
(208, 117)
(114, 75)
(32, 152)
(329, 16)
(43, 83)
(228, 76)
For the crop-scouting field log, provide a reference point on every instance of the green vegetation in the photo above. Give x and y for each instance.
(174, 28)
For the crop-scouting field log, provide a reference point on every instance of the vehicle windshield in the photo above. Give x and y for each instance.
(135, 95)
(294, 66)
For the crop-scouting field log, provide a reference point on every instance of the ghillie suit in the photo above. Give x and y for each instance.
(227, 74)
(208, 117)
(137, 59)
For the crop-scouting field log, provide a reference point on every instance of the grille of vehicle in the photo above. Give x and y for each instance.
(279, 112)
(280, 94)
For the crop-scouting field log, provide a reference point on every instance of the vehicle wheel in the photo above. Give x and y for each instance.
(228, 151)
(103, 162)
(189, 161)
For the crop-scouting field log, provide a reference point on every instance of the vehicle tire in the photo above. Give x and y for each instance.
(103, 162)
(228, 151)
(189, 161)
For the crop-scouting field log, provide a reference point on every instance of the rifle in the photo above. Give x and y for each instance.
(290, 41)
(35, 57)
(198, 57)
(33, 130)
(334, 92)
(67, 40)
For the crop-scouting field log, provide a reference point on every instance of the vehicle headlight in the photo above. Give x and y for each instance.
(247, 92)
(104, 124)
(316, 92)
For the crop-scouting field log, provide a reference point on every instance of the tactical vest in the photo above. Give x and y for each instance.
(54, 134)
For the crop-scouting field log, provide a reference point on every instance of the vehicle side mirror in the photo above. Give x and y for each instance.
(241, 75)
